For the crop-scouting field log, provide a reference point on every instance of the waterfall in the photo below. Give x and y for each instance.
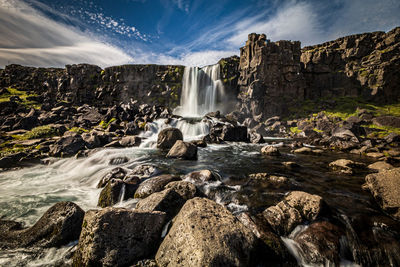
(201, 88)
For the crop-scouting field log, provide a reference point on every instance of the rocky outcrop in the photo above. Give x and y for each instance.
(270, 77)
(205, 233)
(84, 83)
(183, 150)
(59, 225)
(118, 237)
(167, 137)
(356, 65)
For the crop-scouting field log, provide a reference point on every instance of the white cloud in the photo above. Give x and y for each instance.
(30, 38)
(292, 21)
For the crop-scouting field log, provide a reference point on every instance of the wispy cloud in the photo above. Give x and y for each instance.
(30, 38)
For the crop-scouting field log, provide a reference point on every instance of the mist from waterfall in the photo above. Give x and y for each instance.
(201, 89)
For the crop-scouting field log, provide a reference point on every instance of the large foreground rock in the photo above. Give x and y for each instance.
(59, 225)
(183, 150)
(167, 138)
(385, 187)
(205, 233)
(293, 210)
(118, 237)
(67, 146)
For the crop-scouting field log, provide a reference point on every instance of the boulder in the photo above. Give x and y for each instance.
(345, 166)
(58, 226)
(116, 173)
(320, 243)
(117, 190)
(385, 188)
(199, 143)
(199, 177)
(129, 141)
(183, 150)
(168, 137)
(185, 189)
(118, 160)
(234, 133)
(205, 233)
(294, 209)
(118, 237)
(270, 151)
(67, 146)
(307, 151)
(380, 166)
(145, 170)
(167, 201)
(256, 138)
(153, 185)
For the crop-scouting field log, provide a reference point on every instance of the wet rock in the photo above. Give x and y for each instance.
(391, 121)
(91, 140)
(118, 160)
(270, 178)
(58, 226)
(210, 230)
(376, 155)
(11, 160)
(129, 141)
(167, 201)
(345, 166)
(168, 137)
(118, 237)
(307, 151)
(320, 243)
(114, 143)
(145, 170)
(385, 188)
(153, 185)
(145, 263)
(67, 146)
(373, 240)
(185, 189)
(117, 190)
(291, 164)
(270, 151)
(277, 252)
(116, 173)
(183, 150)
(294, 209)
(392, 137)
(380, 166)
(199, 177)
(256, 138)
(199, 143)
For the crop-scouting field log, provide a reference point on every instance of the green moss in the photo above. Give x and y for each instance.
(102, 72)
(364, 73)
(317, 130)
(382, 131)
(142, 125)
(78, 130)
(105, 125)
(38, 132)
(295, 130)
(23, 95)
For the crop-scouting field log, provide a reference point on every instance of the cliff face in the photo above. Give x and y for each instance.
(270, 76)
(275, 76)
(83, 83)
(364, 65)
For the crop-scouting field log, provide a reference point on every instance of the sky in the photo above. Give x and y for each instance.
(53, 33)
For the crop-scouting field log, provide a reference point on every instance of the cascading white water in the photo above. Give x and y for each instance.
(201, 88)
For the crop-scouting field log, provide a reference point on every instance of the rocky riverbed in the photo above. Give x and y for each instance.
(220, 200)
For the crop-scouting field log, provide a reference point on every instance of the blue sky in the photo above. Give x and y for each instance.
(187, 32)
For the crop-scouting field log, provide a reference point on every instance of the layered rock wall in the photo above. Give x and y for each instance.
(84, 83)
(363, 65)
(270, 76)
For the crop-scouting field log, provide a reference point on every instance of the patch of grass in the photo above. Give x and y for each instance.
(38, 132)
(9, 150)
(318, 131)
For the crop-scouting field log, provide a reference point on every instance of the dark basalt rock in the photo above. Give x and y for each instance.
(153, 185)
(183, 150)
(67, 146)
(59, 225)
(116, 173)
(167, 138)
(118, 237)
(117, 190)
